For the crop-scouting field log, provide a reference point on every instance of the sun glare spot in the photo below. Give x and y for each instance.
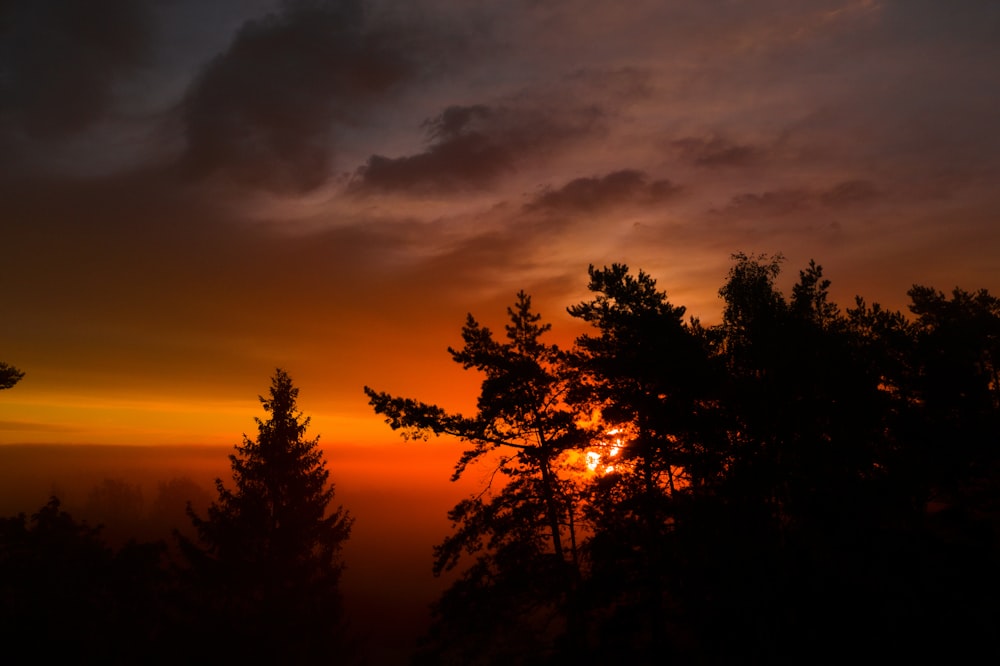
(600, 459)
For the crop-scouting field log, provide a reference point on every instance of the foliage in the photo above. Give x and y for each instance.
(272, 543)
(792, 460)
(262, 585)
(72, 598)
(794, 476)
(752, 313)
(521, 535)
(957, 383)
(9, 375)
(646, 377)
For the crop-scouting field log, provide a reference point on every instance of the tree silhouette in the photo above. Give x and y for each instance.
(167, 511)
(516, 597)
(9, 375)
(273, 542)
(835, 424)
(647, 378)
(643, 372)
(70, 596)
(792, 463)
(117, 506)
(958, 382)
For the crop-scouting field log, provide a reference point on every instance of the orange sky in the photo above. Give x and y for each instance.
(194, 196)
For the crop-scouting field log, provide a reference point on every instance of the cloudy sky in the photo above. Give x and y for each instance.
(195, 193)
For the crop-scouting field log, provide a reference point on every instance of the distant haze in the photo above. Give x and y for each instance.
(388, 581)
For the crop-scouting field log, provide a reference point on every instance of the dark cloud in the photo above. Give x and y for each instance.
(616, 188)
(849, 193)
(844, 194)
(777, 202)
(715, 152)
(471, 146)
(263, 112)
(60, 60)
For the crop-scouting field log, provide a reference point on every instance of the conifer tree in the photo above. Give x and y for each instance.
(272, 542)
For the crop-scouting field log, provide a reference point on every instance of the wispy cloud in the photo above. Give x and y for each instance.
(472, 146)
(627, 186)
(193, 191)
(846, 194)
(715, 152)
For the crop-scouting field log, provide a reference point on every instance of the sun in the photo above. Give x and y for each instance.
(601, 457)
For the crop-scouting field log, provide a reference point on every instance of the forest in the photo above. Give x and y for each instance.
(799, 483)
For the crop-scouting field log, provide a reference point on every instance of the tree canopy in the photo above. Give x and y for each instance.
(272, 543)
(671, 491)
(9, 375)
(522, 536)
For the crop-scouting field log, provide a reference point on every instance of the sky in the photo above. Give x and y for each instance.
(194, 194)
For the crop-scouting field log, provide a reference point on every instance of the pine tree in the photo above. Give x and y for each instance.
(272, 543)
(9, 375)
(517, 595)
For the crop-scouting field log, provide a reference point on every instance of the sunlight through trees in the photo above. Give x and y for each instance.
(767, 472)
(796, 483)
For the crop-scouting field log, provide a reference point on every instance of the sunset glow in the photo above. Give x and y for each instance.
(197, 194)
(601, 457)
(155, 255)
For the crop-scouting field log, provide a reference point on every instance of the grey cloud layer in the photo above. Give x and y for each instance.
(627, 186)
(843, 195)
(61, 60)
(665, 134)
(263, 112)
(762, 110)
(471, 146)
(714, 152)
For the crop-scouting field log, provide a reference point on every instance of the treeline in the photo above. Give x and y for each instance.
(251, 577)
(797, 484)
(127, 511)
